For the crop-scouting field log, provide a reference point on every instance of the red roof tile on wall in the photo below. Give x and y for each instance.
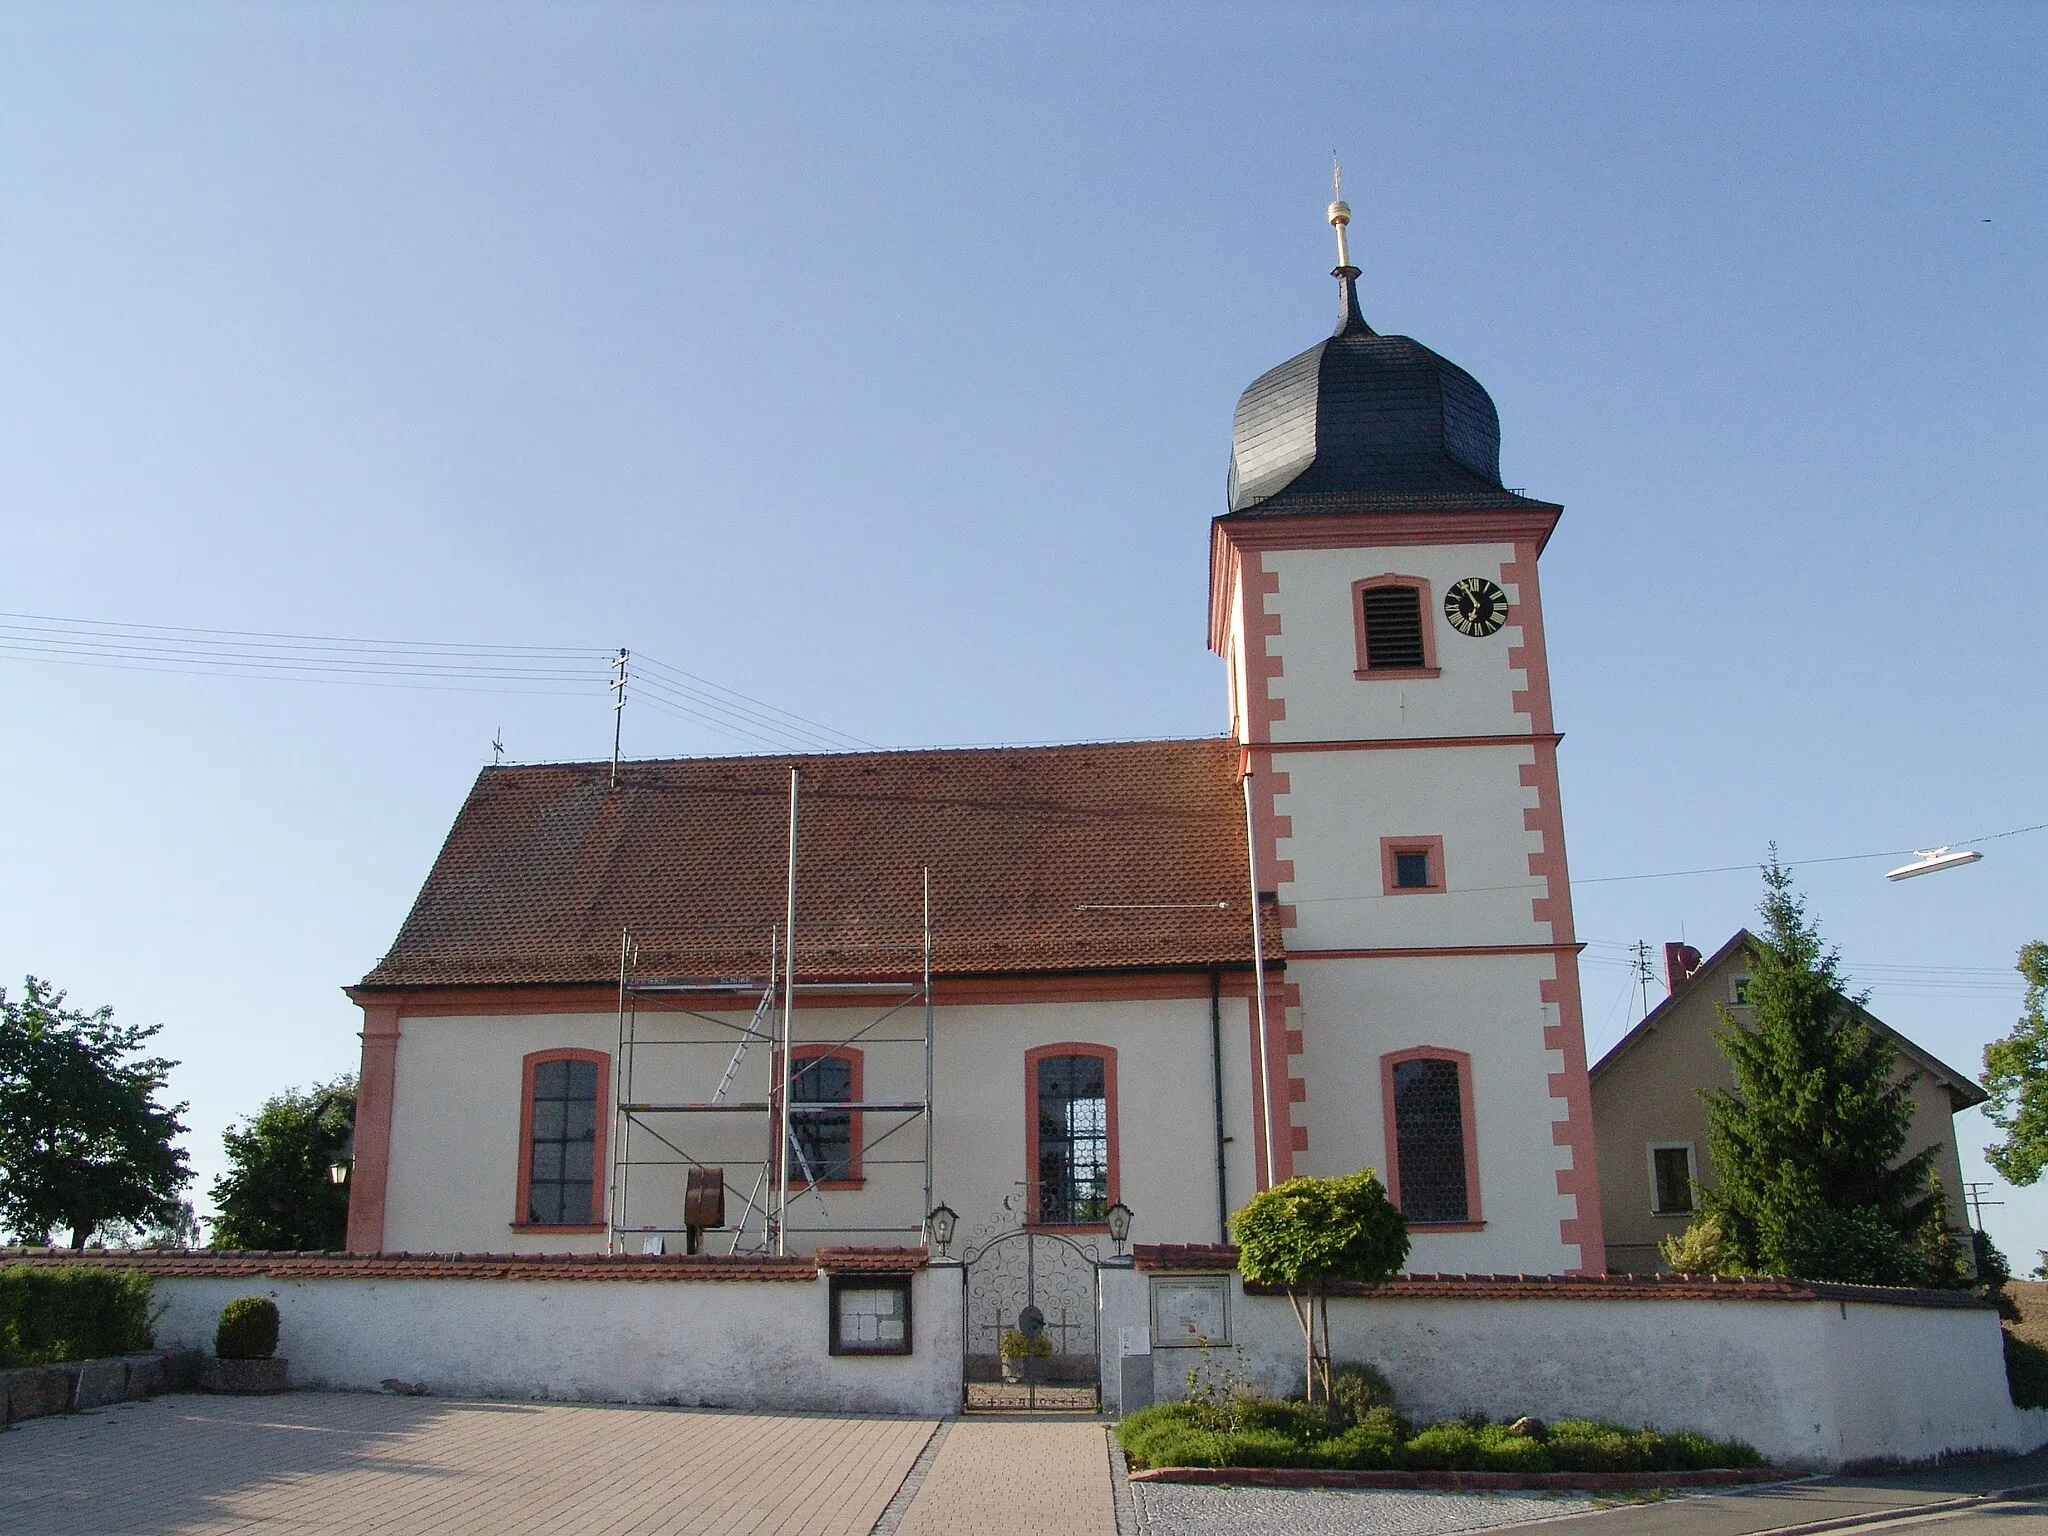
(1215, 1258)
(872, 1261)
(1029, 847)
(236, 1263)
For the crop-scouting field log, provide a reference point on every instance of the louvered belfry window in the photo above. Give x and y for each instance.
(1429, 1130)
(1393, 629)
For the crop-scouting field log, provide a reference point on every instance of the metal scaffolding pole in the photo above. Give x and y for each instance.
(925, 1220)
(788, 1024)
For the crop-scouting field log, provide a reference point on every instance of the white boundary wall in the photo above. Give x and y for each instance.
(727, 1343)
(1808, 1383)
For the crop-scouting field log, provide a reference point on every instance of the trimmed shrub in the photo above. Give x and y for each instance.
(2026, 1371)
(1460, 1446)
(1250, 1431)
(248, 1329)
(77, 1312)
(1587, 1445)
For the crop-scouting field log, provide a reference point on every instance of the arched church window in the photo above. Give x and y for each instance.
(561, 1175)
(1073, 1134)
(1431, 1154)
(826, 1141)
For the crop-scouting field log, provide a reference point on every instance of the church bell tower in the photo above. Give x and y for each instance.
(1374, 591)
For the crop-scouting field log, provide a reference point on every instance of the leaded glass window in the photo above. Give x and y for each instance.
(823, 1137)
(562, 1169)
(1073, 1140)
(1429, 1129)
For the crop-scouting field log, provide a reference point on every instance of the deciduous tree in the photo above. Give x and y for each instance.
(84, 1141)
(278, 1191)
(1307, 1232)
(2016, 1077)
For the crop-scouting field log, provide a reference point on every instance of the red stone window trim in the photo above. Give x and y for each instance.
(1366, 672)
(856, 1061)
(1431, 848)
(1032, 1057)
(1474, 1217)
(598, 1167)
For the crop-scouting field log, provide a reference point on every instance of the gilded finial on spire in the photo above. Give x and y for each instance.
(1340, 214)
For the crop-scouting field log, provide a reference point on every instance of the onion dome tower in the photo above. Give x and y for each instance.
(1362, 421)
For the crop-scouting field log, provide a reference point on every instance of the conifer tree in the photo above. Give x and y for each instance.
(1809, 1180)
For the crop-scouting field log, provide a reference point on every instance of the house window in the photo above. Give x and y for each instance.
(1738, 991)
(1073, 1134)
(1432, 1156)
(1671, 1178)
(561, 1177)
(826, 1141)
(1409, 865)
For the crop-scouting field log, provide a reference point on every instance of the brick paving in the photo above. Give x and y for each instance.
(1037, 1477)
(322, 1464)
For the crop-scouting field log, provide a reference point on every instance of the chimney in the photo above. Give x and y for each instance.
(1680, 961)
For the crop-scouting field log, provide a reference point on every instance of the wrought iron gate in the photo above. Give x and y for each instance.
(1031, 1324)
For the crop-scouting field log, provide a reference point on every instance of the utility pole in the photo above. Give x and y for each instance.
(1640, 964)
(1974, 1195)
(618, 706)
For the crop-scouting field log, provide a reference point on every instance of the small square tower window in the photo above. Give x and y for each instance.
(1411, 869)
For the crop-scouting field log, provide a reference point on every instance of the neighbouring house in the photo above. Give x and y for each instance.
(1156, 974)
(1652, 1124)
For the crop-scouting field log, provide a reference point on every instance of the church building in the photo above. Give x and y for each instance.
(1057, 987)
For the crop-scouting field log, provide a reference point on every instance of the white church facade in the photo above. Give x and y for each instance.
(592, 994)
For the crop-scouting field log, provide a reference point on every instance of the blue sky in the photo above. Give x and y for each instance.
(879, 363)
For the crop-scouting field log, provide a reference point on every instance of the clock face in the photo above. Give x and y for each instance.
(1475, 606)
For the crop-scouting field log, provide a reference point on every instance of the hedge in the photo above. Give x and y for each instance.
(77, 1312)
(1248, 1432)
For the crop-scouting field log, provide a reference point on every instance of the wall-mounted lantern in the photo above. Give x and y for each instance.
(941, 1223)
(1119, 1219)
(344, 1160)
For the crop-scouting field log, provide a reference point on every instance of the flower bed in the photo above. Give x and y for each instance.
(1247, 1432)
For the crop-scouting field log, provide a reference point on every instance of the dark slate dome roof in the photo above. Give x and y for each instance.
(1362, 419)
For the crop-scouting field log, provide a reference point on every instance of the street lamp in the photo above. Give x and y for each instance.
(344, 1160)
(1928, 860)
(1119, 1218)
(941, 1223)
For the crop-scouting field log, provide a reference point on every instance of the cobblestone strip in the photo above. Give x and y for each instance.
(1120, 1488)
(900, 1503)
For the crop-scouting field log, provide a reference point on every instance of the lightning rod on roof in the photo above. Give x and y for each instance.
(1340, 213)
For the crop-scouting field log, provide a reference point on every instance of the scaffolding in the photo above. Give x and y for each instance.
(784, 1175)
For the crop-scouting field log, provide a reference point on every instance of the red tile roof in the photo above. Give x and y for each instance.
(872, 1261)
(1216, 1258)
(1122, 856)
(236, 1264)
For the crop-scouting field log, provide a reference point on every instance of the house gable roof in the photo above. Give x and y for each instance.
(1963, 1092)
(1124, 856)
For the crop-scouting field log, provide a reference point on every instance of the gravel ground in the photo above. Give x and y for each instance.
(1178, 1509)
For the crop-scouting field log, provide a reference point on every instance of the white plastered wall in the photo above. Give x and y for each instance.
(455, 1120)
(1485, 1006)
(1814, 1383)
(1339, 805)
(724, 1344)
(1318, 649)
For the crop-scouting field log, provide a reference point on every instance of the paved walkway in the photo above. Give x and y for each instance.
(323, 1464)
(1036, 1477)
